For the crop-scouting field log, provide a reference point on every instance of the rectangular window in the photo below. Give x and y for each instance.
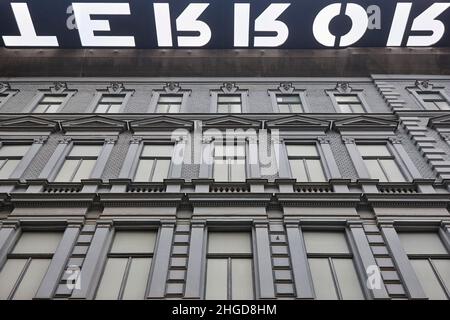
(380, 163)
(154, 163)
(79, 163)
(229, 103)
(110, 103)
(430, 260)
(127, 267)
(10, 157)
(305, 163)
(27, 264)
(433, 100)
(349, 103)
(229, 270)
(169, 103)
(50, 103)
(332, 268)
(289, 103)
(229, 162)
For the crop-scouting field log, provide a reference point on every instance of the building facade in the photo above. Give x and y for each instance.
(225, 188)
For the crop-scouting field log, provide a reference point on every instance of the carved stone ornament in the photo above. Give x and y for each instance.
(343, 87)
(115, 87)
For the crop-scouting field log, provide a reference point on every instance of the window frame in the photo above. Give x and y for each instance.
(236, 142)
(128, 227)
(233, 92)
(416, 94)
(99, 95)
(146, 142)
(301, 93)
(49, 92)
(394, 156)
(358, 93)
(321, 158)
(26, 156)
(156, 94)
(227, 228)
(9, 93)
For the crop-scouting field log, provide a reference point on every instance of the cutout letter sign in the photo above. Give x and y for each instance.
(224, 24)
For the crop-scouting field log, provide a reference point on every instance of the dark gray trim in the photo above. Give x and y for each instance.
(195, 268)
(263, 261)
(300, 267)
(52, 276)
(160, 262)
(94, 261)
(404, 267)
(8, 235)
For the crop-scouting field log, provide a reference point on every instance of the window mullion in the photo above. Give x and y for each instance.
(20, 278)
(308, 176)
(438, 276)
(152, 172)
(125, 278)
(335, 279)
(229, 278)
(74, 173)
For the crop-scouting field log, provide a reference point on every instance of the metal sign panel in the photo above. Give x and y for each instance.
(224, 24)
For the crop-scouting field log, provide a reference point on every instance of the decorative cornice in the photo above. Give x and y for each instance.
(40, 140)
(324, 140)
(348, 140)
(395, 140)
(58, 87)
(343, 87)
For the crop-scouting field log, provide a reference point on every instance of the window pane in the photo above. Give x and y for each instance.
(298, 170)
(161, 170)
(144, 170)
(325, 242)
(432, 96)
(40, 108)
(284, 108)
(222, 109)
(162, 108)
(443, 105)
(373, 150)
(294, 98)
(302, 150)
(32, 279)
(85, 150)
(229, 98)
(102, 108)
(322, 279)
(443, 268)
(13, 150)
(133, 242)
(52, 108)
(229, 242)
(296, 108)
(315, 170)
(7, 168)
(48, 99)
(428, 280)
(220, 171)
(238, 171)
(137, 279)
(348, 279)
(9, 275)
(345, 108)
(241, 279)
(67, 171)
(156, 150)
(422, 243)
(114, 109)
(170, 99)
(430, 105)
(346, 98)
(112, 99)
(357, 108)
(375, 171)
(393, 171)
(38, 242)
(84, 170)
(174, 108)
(112, 279)
(216, 279)
(235, 108)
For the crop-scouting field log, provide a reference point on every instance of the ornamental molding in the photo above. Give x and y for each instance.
(58, 87)
(230, 122)
(29, 123)
(365, 123)
(298, 123)
(115, 88)
(94, 123)
(161, 123)
(4, 87)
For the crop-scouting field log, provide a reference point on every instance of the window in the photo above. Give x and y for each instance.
(154, 163)
(433, 100)
(229, 103)
(169, 104)
(127, 267)
(305, 163)
(430, 260)
(10, 157)
(332, 268)
(289, 103)
(79, 163)
(349, 103)
(110, 103)
(229, 271)
(50, 103)
(229, 162)
(27, 264)
(380, 163)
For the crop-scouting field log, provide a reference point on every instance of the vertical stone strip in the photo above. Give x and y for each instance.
(263, 261)
(194, 274)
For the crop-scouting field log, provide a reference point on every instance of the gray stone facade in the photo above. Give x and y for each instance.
(274, 207)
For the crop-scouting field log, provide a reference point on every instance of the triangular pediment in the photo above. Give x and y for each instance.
(298, 122)
(96, 123)
(231, 122)
(28, 123)
(365, 123)
(439, 122)
(163, 123)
